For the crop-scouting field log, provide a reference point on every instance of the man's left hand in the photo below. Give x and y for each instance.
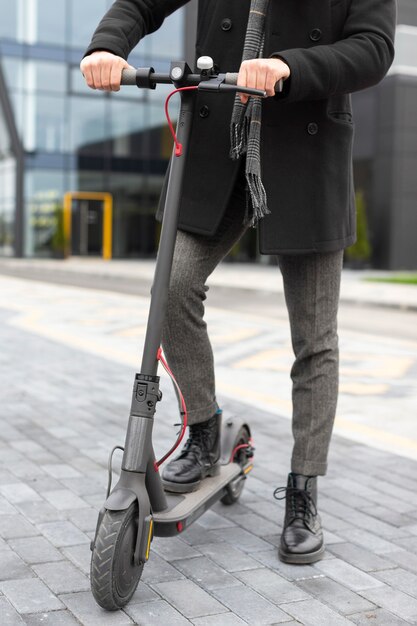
(262, 74)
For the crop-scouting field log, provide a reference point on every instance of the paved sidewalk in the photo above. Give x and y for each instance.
(63, 406)
(255, 277)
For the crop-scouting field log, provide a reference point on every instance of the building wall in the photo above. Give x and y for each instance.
(76, 139)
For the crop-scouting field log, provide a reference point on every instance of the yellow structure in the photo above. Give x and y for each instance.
(107, 200)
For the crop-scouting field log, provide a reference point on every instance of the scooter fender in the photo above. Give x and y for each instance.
(120, 499)
(230, 430)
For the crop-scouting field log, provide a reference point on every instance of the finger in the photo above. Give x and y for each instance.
(116, 76)
(88, 76)
(96, 73)
(270, 82)
(241, 80)
(261, 76)
(105, 76)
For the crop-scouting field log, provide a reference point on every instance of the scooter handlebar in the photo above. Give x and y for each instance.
(128, 77)
(148, 78)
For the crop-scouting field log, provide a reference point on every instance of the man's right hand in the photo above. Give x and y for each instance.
(103, 70)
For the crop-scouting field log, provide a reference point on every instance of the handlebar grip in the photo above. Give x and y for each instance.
(231, 79)
(128, 77)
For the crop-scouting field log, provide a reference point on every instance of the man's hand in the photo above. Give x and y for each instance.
(262, 74)
(103, 70)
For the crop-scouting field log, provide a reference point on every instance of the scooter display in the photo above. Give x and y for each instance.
(138, 508)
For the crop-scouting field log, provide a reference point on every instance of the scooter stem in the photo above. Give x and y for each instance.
(167, 242)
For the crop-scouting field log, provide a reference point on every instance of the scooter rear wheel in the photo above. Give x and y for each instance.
(114, 574)
(235, 488)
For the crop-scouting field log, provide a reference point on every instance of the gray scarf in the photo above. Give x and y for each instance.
(246, 120)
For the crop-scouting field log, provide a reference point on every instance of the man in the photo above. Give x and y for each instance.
(291, 174)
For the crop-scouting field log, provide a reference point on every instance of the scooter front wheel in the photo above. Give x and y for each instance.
(114, 573)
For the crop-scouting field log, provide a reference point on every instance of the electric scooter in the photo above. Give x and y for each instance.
(138, 508)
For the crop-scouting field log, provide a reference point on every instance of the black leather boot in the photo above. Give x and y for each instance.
(302, 536)
(198, 458)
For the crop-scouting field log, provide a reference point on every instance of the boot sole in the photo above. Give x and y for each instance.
(189, 487)
(301, 559)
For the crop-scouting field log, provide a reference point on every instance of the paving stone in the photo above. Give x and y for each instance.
(402, 558)
(18, 492)
(12, 567)
(400, 579)
(394, 601)
(85, 519)
(347, 575)
(225, 619)
(213, 521)
(35, 550)
(337, 596)
(196, 535)
(409, 543)
(88, 613)
(79, 555)
(379, 617)
(143, 593)
(369, 541)
(60, 470)
(250, 606)
(257, 525)
(38, 512)
(315, 613)
(241, 539)
(64, 499)
(229, 558)
(172, 548)
(272, 586)
(158, 570)
(360, 558)
(26, 470)
(9, 616)
(189, 599)
(271, 560)
(391, 516)
(56, 618)
(62, 534)
(62, 577)
(30, 595)
(158, 613)
(6, 508)
(206, 573)
(82, 486)
(44, 483)
(13, 526)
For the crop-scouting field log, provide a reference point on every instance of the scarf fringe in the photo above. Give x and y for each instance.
(258, 198)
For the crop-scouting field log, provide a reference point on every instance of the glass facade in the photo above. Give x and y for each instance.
(76, 139)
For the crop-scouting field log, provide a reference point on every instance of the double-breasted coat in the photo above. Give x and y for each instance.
(333, 48)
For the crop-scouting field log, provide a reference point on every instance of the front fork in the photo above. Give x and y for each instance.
(139, 478)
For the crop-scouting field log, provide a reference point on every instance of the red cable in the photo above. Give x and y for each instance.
(178, 145)
(184, 416)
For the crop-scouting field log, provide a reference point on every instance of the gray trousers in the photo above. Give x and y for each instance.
(311, 285)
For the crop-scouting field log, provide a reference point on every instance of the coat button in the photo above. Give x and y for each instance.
(316, 34)
(312, 128)
(204, 111)
(226, 24)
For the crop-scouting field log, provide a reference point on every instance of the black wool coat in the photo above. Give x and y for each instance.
(333, 48)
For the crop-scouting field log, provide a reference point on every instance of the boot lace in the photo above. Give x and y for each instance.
(300, 502)
(198, 440)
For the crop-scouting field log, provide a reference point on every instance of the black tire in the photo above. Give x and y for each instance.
(114, 575)
(235, 488)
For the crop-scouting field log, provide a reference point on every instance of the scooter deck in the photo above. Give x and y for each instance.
(185, 508)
